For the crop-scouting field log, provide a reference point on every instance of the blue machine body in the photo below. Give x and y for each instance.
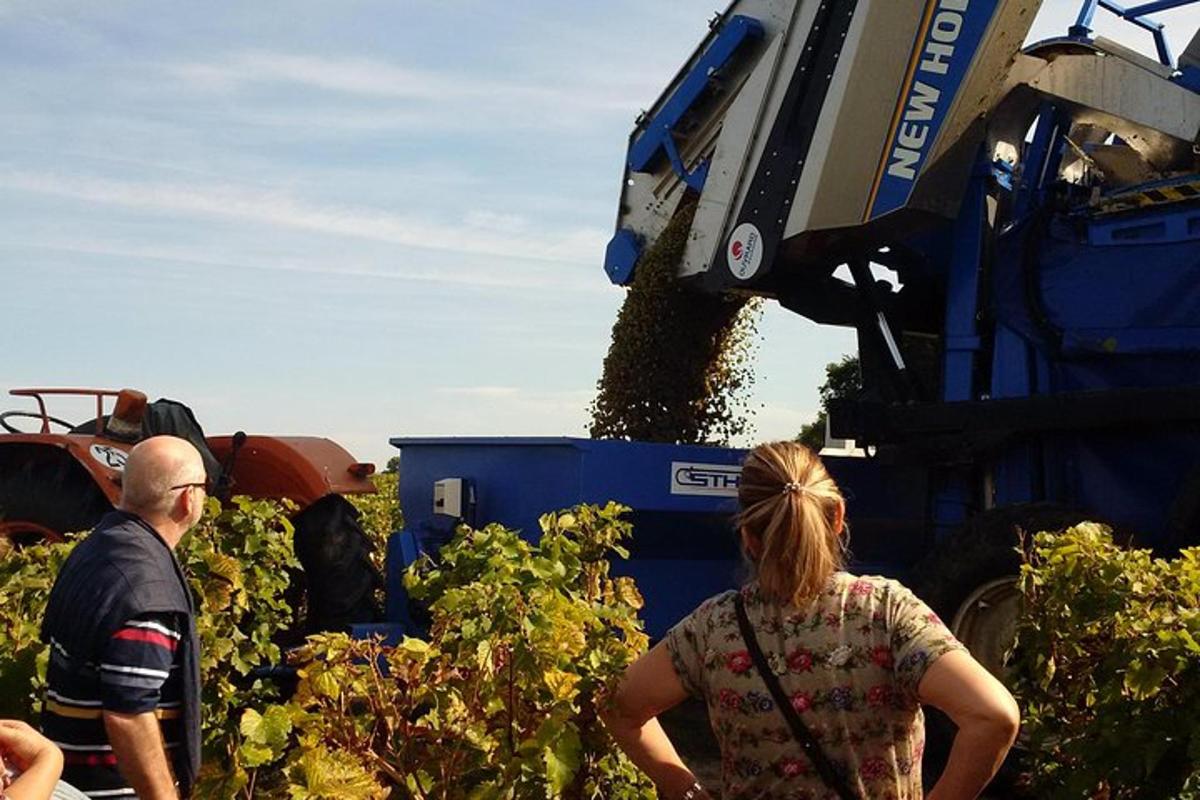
(658, 139)
(1065, 371)
(683, 499)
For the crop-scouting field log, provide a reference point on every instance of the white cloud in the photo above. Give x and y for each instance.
(479, 391)
(375, 78)
(493, 221)
(580, 246)
(515, 277)
(355, 76)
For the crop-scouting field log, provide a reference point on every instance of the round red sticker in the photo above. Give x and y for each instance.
(745, 251)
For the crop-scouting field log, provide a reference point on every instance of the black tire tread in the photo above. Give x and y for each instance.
(983, 550)
(52, 490)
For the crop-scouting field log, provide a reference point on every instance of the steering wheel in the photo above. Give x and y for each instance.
(30, 415)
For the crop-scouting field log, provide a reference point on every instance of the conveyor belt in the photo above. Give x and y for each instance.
(1148, 197)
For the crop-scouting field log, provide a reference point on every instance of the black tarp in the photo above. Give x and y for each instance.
(172, 418)
(333, 550)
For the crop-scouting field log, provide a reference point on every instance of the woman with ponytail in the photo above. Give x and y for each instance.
(813, 677)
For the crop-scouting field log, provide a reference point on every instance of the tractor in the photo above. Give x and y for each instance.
(64, 476)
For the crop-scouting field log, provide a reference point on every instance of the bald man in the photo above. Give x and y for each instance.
(123, 685)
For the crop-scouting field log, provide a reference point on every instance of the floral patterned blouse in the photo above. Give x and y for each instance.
(850, 661)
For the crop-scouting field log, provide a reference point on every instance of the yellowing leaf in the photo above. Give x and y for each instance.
(562, 684)
(326, 685)
(627, 592)
(251, 725)
(321, 774)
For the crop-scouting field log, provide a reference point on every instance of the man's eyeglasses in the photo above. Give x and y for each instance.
(206, 485)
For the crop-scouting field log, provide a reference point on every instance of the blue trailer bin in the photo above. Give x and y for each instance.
(683, 549)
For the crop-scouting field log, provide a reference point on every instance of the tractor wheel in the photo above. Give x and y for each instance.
(44, 496)
(339, 578)
(970, 581)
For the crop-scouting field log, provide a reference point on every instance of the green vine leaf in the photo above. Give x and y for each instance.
(562, 759)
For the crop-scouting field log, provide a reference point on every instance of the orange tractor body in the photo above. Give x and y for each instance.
(56, 481)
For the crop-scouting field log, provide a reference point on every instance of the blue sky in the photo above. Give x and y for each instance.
(352, 219)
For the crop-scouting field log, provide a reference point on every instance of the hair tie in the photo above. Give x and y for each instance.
(792, 487)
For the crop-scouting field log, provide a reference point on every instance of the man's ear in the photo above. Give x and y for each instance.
(183, 505)
(188, 501)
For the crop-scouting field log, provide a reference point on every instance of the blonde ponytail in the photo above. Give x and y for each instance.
(790, 511)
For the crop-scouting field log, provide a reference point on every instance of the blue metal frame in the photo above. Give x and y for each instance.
(953, 492)
(1160, 5)
(659, 135)
(1040, 163)
(1138, 15)
(1156, 226)
(683, 499)
(621, 256)
(962, 342)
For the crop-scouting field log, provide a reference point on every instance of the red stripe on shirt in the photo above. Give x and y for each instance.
(143, 635)
(90, 759)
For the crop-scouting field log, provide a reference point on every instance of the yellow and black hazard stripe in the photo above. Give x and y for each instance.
(1146, 198)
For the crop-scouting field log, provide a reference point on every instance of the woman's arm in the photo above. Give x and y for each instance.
(987, 718)
(36, 756)
(650, 687)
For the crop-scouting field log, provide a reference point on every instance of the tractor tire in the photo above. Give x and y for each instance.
(45, 496)
(1183, 517)
(969, 580)
(340, 579)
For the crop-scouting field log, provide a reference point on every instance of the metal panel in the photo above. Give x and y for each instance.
(951, 79)
(743, 128)
(1191, 56)
(683, 549)
(787, 151)
(1119, 90)
(658, 139)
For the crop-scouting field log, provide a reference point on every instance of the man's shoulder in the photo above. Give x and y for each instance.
(120, 556)
(121, 538)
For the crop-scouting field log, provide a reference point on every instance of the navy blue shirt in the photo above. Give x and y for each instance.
(137, 672)
(120, 625)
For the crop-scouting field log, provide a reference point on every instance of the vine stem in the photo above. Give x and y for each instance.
(512, 709)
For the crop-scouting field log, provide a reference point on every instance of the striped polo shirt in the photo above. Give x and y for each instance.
(137, 672)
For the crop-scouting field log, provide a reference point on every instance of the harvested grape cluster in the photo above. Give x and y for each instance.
(680, 365)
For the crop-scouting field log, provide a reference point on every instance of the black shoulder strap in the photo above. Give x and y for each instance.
(799, 730)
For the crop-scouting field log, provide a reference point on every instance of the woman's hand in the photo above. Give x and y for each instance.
(22, 746)
(36, 757)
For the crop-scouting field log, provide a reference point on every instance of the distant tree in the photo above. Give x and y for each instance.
(843, 379)
(393, 465)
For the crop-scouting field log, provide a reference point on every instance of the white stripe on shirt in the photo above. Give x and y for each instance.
(149, 673)
(53, 695)
(154, 626)
(84, 748)
(126, 792)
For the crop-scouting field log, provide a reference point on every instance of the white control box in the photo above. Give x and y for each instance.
(449, 497)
